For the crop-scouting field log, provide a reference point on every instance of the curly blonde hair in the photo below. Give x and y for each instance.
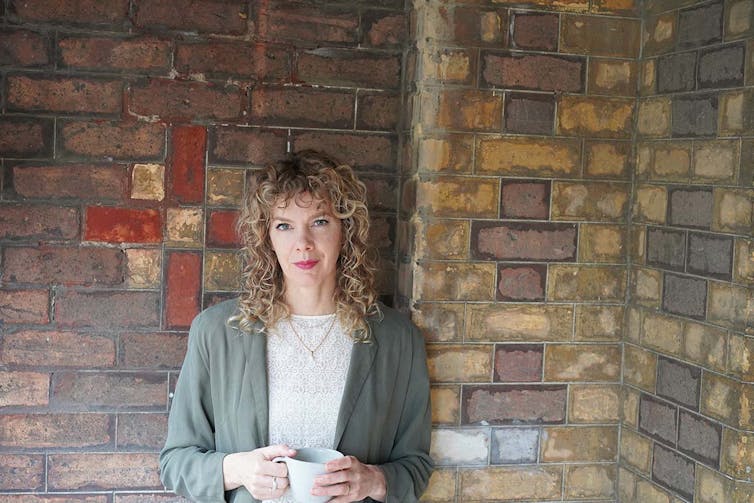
(306, 172)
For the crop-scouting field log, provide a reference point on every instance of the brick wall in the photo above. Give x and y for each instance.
(126, 132)
(687, 429)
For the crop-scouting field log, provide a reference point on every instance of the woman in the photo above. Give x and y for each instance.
(305, 358)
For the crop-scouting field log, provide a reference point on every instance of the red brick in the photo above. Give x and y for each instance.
(173, 100)
(518, 363)
(221, 229)
(521, 283)
(78, 181)
(380, 111)
(22, 472)
(384, 29)
(525, 199)
(302, 107)
(209, 16)
(123, 225)
(303, 24)
(68, 95)
(26, 137)
(183, 296)
(535, 71)
(23, 48)
(57, 349)
(37, 222)
(349, 68)
(363, 151)
(152, 350)
(71, 266)
(130, 141)
(41, 431)
(247, 145)
(24, 306)
(520, 241)
(146, 54)
(259, 62)
(25, 389)
(142, 431)
(186, 164)
(474, 26)
(103, 471)
(508, 404)
(529, 113)
(109, 391)
(107, 310)
(535, 31)
(73, 11)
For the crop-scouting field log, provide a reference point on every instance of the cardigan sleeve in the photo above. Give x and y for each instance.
(189, 464)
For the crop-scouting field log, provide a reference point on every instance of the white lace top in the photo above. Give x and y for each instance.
(305, 390)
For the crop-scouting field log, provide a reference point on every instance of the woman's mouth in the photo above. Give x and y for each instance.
(306, 264)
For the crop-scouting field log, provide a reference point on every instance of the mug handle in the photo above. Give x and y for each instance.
(280, 459)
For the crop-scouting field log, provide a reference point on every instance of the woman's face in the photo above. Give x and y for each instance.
(306, 238)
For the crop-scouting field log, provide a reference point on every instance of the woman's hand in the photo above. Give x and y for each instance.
(348, 479)
(256, 472)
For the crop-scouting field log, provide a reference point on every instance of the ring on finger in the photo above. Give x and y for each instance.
(274, 483)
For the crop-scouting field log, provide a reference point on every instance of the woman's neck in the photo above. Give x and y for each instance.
(310, 301)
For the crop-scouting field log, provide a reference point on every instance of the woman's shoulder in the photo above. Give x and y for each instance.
(217, 314)
(391, 323)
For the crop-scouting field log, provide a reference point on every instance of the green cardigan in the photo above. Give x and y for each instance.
(220, 406)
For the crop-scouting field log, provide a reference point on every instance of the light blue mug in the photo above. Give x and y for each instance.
(308, 463)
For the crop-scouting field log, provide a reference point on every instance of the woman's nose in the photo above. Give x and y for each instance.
(304, 240)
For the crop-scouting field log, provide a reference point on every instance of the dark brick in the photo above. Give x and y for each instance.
(533, 71)
(522, 241)
(471, 26)
(94, 391)
(722, 67)
(142, 54)
(185, 177)
(658, 419)
(690, 208)
(38, 222)
(46, 348)
(535, 31)
(746, 177)
(24, 48)
(59, 265)
(152, 350)
(24, 306)
(678, 382)
(212, 16)
(142, 432)
(123, 225)
(514, 445)
(113, 140)
(376, 151)
(673, 471)
(342, 67)
(685, 296)
(651, 46)
(700, 26)
(51, 431)
(78, 12)
(238, 145)
(174, 100)
(384, 29)
(666, 248)
(183, 296)
(529, 113)
(66, 95)
(302, 107)
(307, 24)
(103, 471)
(521, 282)
(525, 199)
(76, 181)
(105, 310)
(22, 472)
(510, 404)
(695, 115)
(700, 438)
(518, 362)
(21, 137)
(676, 72)
(260, 62)
(710, 255)
(600, 36)
(380, 111)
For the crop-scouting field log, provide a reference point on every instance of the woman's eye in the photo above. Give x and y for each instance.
(321, 221)
(282, 226)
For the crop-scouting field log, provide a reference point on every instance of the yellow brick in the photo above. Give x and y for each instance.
(654, 117)
(594, 403)
(589, 201)
(705, 345)
(607, 159)
(504, 323)
(733, 210)
(715, 161)
(616, 77)
(712, 487)
(511, 483)
(528, 156)
(144, 267)
(738, 19)
(634, 323)
(460, 363)
(463, 110)
(721, 398)
(662, 333)
(590, 481)
(630, 407)
(442, 486)
(730, 305)
(638, 242)
(148, 182)
(639, 367)
(225, 187)
(459, 197)
(666, 161)
(731, 115)
(599, 323)
(586, 283)
(590, 116)
(743, 271)
(185, 227)
(648, 77)
(445, 404)
(651, 204)
(582, 362)
(452, 154)
(647, 492)
(452, 66)
(222, 271)
(453, 281)
(636, 450)
(444, 239)
(646, 286)
(440, 322)
(602, 243)
(626, 485)
(737, 458)
(579, 443)
(741, 358)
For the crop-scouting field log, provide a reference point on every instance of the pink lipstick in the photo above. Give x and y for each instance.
(306, 264)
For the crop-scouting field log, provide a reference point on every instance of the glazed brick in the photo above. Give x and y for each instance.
(535, 31)
(615, 77)
(464, 109)
(69, 266)
(666, 248)
(225, 186)
(690, 207)
(152, 350)
(659, 34)
(185, 15)
(521, 282)
(102, 471)
(352, 68)
(65, 95)
(684, 295)
(376, 151)
(459, 363)
(537, 483)
(384, 29)
(123, 225)
(24, 306)
(305, 24)
(518, 322)
(127, 141)
(513, 404)
(473, 26)
(222, 271)
(582, 362)
(183, 290)
(54, 431)
(173, 100)
(221, 229)
(449, 153)
(38, 222)
(105, 310)
(595, 116)
(676, 72)
(522, 241)
(259, 62)
(678, 382)
(527, 156)
(600, 36)
(24, 48)
(459, 281)
(514, 446)
(710, 255)
(186, 164)
(246, 145)
(518, 362)
(79, 12)
(139, 54)
(536, 72)
(581, 443)
(722, 67)
(21, 137)
(302, 107)
(468, 446)
(525, 199)
(700, 25)
(140, 432)
(57, 349)
(658, 419)
(529, 113)
(88, 391)
(700, 438)
(379, 111)
(596, 201)
(673, 471)
(75, 181)
(19, 472)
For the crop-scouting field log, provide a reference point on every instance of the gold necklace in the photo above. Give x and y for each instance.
(312, 350)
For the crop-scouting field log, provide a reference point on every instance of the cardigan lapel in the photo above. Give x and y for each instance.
(255, 348)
